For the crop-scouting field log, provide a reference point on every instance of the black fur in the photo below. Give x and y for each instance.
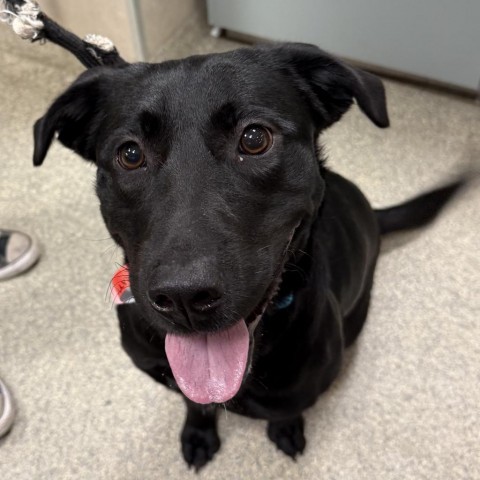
(201, 215)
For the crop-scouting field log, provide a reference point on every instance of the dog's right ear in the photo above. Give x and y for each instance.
(75, 116)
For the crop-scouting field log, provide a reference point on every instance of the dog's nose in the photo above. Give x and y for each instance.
(188, 295)
(180, 299)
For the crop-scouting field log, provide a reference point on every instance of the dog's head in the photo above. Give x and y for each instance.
(207, 177)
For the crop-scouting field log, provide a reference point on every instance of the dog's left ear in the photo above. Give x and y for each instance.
(330, 85)
(75, 116)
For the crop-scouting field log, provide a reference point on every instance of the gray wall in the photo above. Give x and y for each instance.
(436, 39)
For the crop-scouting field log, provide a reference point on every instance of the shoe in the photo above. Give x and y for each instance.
(7, 410)
(18, 252)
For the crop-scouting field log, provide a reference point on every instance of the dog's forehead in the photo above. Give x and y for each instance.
(233, 70)
(202, 91)
(245, 76)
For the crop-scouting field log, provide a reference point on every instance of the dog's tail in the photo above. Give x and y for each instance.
(418, 211)
(30, 23)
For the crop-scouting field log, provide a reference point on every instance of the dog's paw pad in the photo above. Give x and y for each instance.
(288, 436)
(199, 445)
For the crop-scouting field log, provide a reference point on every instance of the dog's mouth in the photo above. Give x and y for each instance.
(210, 367)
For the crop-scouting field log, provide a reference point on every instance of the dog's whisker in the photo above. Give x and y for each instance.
(110, 249)
(226, 411)
(108, 291)
(264, 248)
(97, 239)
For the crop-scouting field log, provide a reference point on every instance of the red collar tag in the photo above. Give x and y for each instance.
(121, 291)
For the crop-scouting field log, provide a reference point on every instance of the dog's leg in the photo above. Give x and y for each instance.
(199, 437)
(288, 435)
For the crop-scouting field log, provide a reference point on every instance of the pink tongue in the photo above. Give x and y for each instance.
(209, 367)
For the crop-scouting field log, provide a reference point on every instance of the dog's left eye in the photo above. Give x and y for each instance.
(130, 156)
(255, 140)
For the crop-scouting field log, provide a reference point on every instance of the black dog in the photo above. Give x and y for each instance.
(250, 262)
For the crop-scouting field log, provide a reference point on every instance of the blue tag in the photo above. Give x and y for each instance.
(284, 302)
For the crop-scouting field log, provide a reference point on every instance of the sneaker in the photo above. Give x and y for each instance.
(18, 252)
(7, 410)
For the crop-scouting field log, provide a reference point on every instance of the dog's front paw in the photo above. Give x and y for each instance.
(288, 436)
(199, 445)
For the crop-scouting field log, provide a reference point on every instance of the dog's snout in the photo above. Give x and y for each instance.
(188, 297)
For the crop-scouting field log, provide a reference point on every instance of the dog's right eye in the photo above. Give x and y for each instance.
(130, 156)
